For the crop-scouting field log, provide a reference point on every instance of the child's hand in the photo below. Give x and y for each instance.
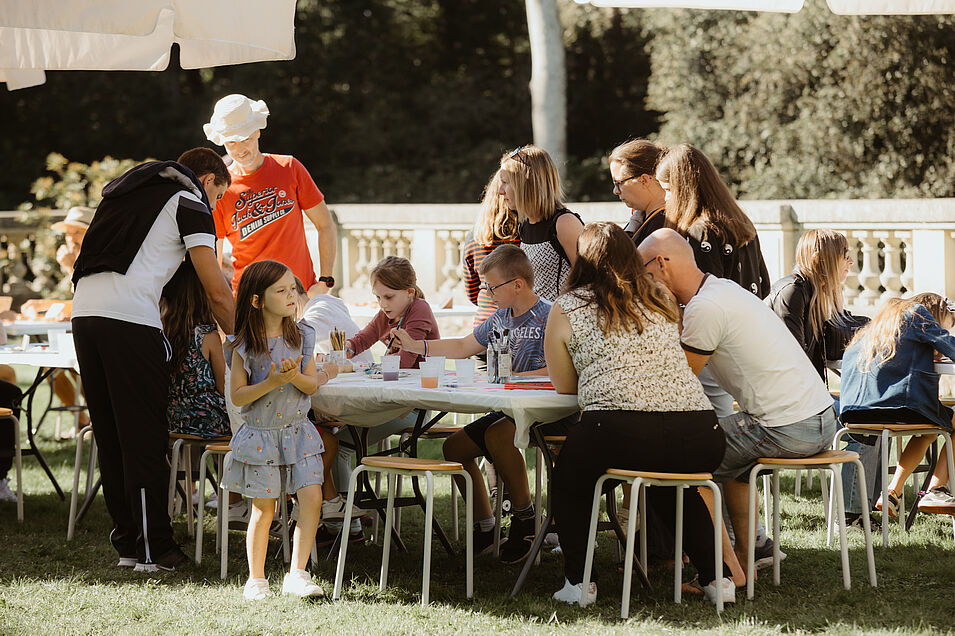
(286, 371)
(331, 370)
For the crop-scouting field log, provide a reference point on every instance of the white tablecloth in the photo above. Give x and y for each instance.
(361, 401)
(35, 327)
(62, 357)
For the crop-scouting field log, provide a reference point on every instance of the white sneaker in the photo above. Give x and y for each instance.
(127, 562)
(571, 593)
(299, 583)
(256, 589)
(5, 493)
(729, 591)
(335, 510)
(938, 501)
(211, 502)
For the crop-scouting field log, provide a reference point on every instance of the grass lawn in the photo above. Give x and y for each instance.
(50, 586)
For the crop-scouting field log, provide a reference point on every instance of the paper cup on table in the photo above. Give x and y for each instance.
(464, 370)
(430, 374)
(389, 367)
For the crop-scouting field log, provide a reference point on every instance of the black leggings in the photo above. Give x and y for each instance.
(682, 441)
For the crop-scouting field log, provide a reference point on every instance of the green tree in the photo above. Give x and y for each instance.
(810, 105)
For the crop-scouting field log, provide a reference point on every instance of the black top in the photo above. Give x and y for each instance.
(789, 298)
(743, 264)
(640, 226)
(131, 203)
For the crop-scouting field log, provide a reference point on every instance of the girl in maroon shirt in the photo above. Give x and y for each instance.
(395, 285)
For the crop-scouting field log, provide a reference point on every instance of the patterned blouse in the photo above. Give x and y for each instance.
(627, 371)
(195, 405)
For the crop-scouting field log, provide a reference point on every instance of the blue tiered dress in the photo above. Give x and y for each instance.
(275, 429)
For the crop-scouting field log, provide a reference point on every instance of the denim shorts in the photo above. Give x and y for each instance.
(747, 440)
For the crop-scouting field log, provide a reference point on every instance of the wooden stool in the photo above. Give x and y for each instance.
(411, 467)
(832, 461)
(18, 458)
(886, 432)
(439, 431)
(216, 451)
(183, 443)
(639, 481)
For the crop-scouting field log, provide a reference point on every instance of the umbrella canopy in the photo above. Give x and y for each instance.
(843, 7)
(136, 35)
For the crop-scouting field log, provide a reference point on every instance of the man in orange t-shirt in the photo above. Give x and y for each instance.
(261, 214)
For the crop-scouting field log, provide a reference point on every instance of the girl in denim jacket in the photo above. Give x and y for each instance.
(888, 376)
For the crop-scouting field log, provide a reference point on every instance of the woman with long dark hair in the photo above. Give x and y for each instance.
(614, 327)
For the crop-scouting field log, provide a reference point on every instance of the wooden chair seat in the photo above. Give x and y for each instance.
(6, 412)
(555, 439)
(660, 476)
(825, 457)
(411, 463)
(218, 447)
(893, 427)
(437, 431)
(197, 438)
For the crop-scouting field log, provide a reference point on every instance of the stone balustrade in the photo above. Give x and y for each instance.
(899, 246)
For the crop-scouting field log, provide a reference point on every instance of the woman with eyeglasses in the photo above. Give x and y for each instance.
(632, 170)
(548, 231)
(700, 207)
(496, 225)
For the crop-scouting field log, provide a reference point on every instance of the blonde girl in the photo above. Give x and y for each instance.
(548, 231)
(496, 225)
(395, 285)
(888, 375)
(273, 375)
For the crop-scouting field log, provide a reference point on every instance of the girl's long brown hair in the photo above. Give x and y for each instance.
(821, 259)
(495, 221)
(249, 321)
(618, 284)
(395, 272)
(183, 306)
(698, 194)
(880, 337)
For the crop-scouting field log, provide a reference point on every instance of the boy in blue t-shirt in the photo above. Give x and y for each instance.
(509, 280)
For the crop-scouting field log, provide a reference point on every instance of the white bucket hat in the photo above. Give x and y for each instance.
(235, 118)
(78, 217)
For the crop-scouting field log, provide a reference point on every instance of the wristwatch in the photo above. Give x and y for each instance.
(328, 280)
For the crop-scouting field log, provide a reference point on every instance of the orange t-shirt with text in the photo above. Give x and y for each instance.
(261, 216)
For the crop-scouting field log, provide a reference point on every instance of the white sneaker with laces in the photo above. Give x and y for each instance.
(299, 583)
(256, 589)
(729, 591)
(5, 493)
(572, 594)
(937, 501)
(334, 510)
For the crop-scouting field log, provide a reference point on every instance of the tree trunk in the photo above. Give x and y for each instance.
(548, 83)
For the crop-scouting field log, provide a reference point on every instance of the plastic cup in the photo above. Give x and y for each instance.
(464, 371)
(389, 368)
(337, 356)
(430, 372)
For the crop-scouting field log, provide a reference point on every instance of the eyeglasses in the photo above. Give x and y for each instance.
(617, 184)
(516, 154)
(490, 290)
(655, 258)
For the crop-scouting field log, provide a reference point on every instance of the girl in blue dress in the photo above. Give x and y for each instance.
(273, 375)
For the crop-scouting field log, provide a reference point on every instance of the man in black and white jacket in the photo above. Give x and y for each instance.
(149, 219)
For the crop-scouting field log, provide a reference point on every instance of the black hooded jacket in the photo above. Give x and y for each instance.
(131, 203)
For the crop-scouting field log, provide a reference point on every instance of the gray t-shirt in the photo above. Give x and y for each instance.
(526, 334)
